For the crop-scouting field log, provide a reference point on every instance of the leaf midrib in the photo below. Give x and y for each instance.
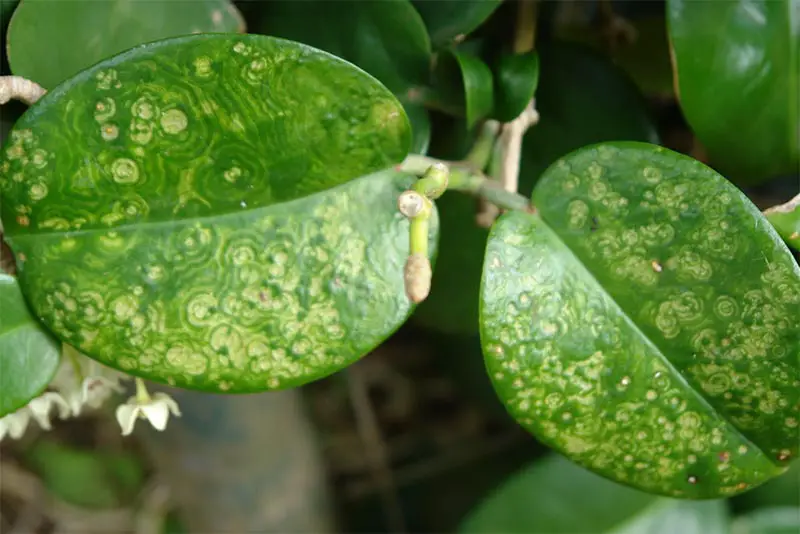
(637, 329)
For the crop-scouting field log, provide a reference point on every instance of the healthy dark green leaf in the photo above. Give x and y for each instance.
(465, 80)
(582, 99)
(516, 77)
(199, 221)
(6, 9)
(420, 126)
(646, 59)
(449, 20)
(555, 496)
(645, 323)
(52, 40)
(387, 38)
(738, 88)
(778, 520)
(87, 478)
(29, 356)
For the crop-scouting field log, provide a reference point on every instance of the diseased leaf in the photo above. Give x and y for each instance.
(554, 495)
(204, 206)
(448, 20)
(782, 491)
(582, 99)
(52, 40)
(777, 520)
(516, 77)
(645, 323)
(29, 355)
(466, 80)
(386, 38)
(738, 88)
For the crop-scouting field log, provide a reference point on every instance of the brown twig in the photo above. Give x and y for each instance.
(375, 448)
(19, 88)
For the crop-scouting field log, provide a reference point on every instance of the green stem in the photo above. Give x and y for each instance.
(491, 191)
(142, 395)
(481, 151)
(72, 355)
(434, 182)
(419, 235)
(525, 34)
(463, 177)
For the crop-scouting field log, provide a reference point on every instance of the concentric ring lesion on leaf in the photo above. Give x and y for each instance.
(642, 324)
(224, 226)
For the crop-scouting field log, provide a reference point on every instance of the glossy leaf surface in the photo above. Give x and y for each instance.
(582, 99)
(387, 38)
(446, 20)
(738, 88)
(200, 222)
(29, 355)
(556, 496)
(466, 80)
(780, 492)
(420, 127)
(516, 77)
(644, 325)
(786, 220)
(52, 40)
(777, 520)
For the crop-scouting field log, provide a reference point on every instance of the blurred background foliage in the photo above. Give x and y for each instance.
(412, 438)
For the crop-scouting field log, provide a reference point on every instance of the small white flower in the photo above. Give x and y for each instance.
(40, 408)
(95, 390)
(85, 382)
(15, 423)
(155, 409)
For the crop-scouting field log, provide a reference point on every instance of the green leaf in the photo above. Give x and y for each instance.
(778, 520)
(782, 491)
(465, 80)
(29, 356)
(6, 9)
(420, 126)
(87, 478)
(582, 99)
(556, 496)
(786, 220)
(516, 77)
(386, 38)
(199, 222)
(646, 59)
(738, 88)
(448, 20)
(52, 40)
(645, 323)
